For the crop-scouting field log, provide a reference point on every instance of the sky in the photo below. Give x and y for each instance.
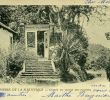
(96, 30)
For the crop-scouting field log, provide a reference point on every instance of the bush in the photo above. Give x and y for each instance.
(90, 76)
(3, 63)
(67, 77)
(78, 72)
(15, 60)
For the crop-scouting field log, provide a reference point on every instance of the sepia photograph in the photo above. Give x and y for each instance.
(55, 46)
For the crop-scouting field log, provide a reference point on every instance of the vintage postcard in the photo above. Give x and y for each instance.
(55, 50)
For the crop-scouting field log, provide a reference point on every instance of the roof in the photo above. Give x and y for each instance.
(7, 28)
(37, 25)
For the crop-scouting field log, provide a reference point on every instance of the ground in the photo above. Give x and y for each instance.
(38, 91)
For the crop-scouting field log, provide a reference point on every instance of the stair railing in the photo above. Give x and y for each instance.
(53, 65)
(23, 70)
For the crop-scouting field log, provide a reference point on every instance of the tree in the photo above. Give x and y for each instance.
(5, 14)
(74, 44)
(98, 56)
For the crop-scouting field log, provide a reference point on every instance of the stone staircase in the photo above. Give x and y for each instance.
(39, 71)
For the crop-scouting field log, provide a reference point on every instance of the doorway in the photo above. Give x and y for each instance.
(40, 44)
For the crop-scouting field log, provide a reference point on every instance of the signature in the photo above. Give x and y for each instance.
(3, 94)
(97, 1)
(90, 96)
(59, 94)
(17, 94)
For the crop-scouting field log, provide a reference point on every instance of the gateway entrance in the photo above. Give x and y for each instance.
(37, 40)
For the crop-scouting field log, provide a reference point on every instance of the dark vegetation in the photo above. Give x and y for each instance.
(98, 57)
(15, 60)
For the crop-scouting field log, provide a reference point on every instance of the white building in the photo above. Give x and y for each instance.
(6, 37)
(37, 39)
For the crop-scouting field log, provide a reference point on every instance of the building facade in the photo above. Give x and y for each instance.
(37, 43)
(37, 39)
(6, 37)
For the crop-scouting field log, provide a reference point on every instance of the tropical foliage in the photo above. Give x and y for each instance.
(98, 57)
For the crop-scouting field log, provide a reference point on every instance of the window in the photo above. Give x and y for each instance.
(11, 42)
(31, 39)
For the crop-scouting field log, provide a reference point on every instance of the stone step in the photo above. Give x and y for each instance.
(40, 80)
(36, 74)
(39, 67)
(38, 64)
(38, 71)
(31, 61)
(32, 65)
(48, 61)
(39, 77)
(52, 72)
(43, 69)
(34, 68)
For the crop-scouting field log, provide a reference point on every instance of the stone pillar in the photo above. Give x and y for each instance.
(51, 32)
(22, 40)
(22, 33)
